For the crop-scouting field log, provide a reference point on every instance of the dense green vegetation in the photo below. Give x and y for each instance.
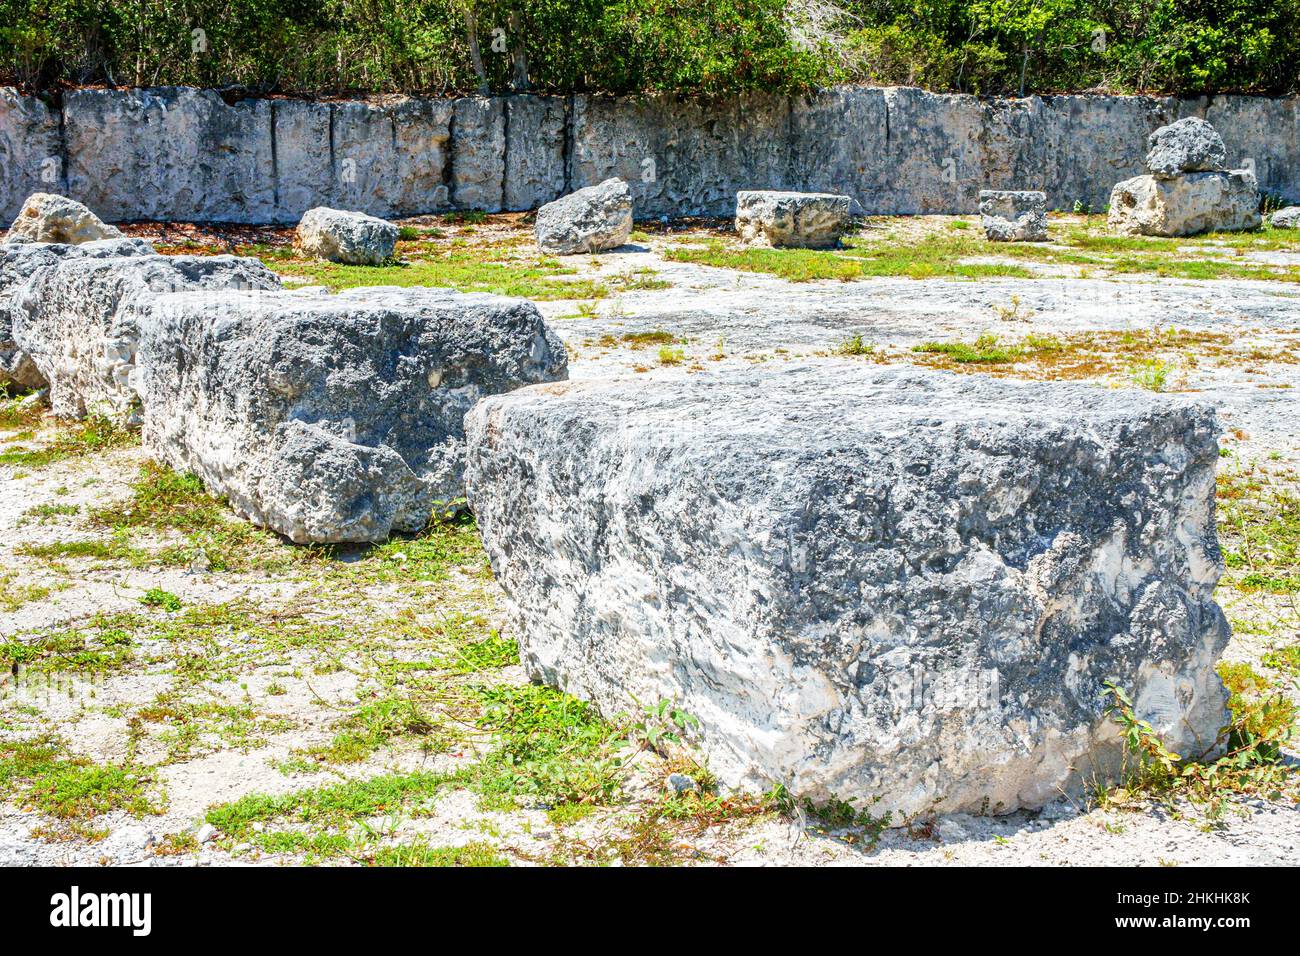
(622, 46)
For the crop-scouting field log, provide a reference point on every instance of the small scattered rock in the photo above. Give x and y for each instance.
(1288, 218)
(342, 236)
(681, 783)
(206, 833)
(1190, 145)
(1010, 215)
(48, 217)
(593, 219)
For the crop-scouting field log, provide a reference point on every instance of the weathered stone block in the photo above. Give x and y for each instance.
(797, 220)
(170, 153)
(888, 584)
(1009, 215)
(1288, 218)
(72, 317)
(1189, 145)
(46, 217)
(593, 219)
(342, 236)
(19, 261)
(330, 418)
(1185, 205)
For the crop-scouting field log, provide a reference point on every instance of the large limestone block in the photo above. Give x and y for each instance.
(767, 217)
(593, 219)
(331, 418)
(73, 318)
(1190, 145)
(31, 149)
(170, 153)
(1185, 205)
(1288, 218)
(342, 236)
(19, 261)
(1009, 215)
(868, 583)
(47, 217)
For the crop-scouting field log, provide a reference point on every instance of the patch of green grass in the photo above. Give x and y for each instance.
(52, 511)
(1259, 523)
(14, 595)
(422, 854)
(482, 269)
(115, 548)
(374, 725)
(430, 555)
(17, 413)
(336, 806)
(669, 355)
(854, 345)
(37, 774)
(1284, 659)
(985, 349)
(1151, 374)
(101, 644)
(549, 747)
(90, 436)
(491, 653)
(157, 597)
(163, 498)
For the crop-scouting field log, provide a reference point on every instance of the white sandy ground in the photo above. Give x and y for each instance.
(758, 318)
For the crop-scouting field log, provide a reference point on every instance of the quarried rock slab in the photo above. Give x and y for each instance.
(776, 218)
(331, 418)
(593, 219)
(73, 321)
(1185, 205)
(1009, 215)
(873, 584)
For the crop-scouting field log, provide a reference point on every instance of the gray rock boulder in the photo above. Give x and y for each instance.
(588, 220)
(769, 217)
(1185, 205)
(868, 583)
(46, 217)
(1288, 218)
(20, 259)
(1190, 145)
(330, 418)
(71, 317)
(1008, 215)
(350, 237)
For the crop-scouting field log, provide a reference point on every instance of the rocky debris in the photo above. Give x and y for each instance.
(1190, 145)
(46, 217)
(1186, 205)
(1187, 191)
(19, 261)
(767, 217)
(1009, 215)
(71, 318)
(349, 237)
(909, 586)
(589, 220)
(1287, 218)
(330, 418)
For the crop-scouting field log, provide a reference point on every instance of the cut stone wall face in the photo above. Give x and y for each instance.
(185, 154)
(905, 587)
(330, 418)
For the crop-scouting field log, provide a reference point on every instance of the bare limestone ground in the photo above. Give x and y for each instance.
(183, 689)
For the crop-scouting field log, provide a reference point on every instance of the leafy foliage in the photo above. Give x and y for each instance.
(709, 47)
